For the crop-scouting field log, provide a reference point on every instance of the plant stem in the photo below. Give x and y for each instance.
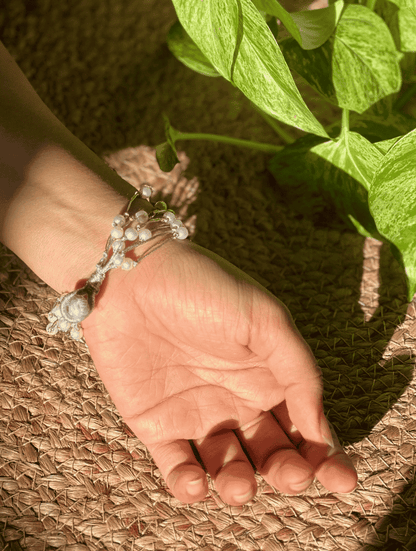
(345, 121)
(282, 133)
(401, 102)
(267, 148)
(371, 4)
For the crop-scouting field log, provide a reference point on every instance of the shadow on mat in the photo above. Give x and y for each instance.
(365, 391)
(360, 387)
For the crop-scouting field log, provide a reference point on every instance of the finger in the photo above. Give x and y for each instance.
(332, 466)
(274, 455)
(282, 415)
(275, 338)
(179, 468)
(228, 466)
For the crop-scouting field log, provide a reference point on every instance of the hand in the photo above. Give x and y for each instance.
(190, 347)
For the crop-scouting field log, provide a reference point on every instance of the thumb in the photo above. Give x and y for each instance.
(305, 407)
(275, 337)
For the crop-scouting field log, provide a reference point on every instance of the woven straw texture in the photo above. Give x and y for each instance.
(73, 476)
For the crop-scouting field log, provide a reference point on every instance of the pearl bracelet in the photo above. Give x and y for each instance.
(71, 309)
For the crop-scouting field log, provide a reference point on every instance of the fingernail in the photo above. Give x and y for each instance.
(195, 482)
(301, 486)
(326, 432)
(328, 441)
(194, 487)
(243, 497)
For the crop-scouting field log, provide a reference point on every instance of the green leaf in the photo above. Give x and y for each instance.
(271, 23)
(166, 157)
(385, 145)
(407, 28)
(392, 201)
(400, 17)
(310, 28)
(166, 154)
(356, 67)
(341, 170)
(186, 51)
(376, 129)
(236, 40)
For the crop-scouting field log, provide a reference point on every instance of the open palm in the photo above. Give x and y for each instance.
(190, 347)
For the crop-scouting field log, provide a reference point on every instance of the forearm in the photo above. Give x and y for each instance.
(57, 197)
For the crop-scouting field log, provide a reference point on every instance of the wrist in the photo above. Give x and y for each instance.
(59, 221)
(57, 197)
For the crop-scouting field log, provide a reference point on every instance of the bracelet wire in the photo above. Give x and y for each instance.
(70, 309)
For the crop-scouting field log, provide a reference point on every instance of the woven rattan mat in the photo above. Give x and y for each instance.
(74, 477)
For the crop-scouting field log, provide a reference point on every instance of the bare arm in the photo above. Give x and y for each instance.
(57, 197)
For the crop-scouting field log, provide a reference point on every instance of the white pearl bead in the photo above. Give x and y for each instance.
(119, 219)
(144, 234)
(118, 259)
(182, 232)
(131, 234)
(127, 264)
(117, 233)
(169, 217)
(118, 246)
(78, 308)
(77, 334)
(63, 324)
(176, 224)
(146, 191)
(142, 216)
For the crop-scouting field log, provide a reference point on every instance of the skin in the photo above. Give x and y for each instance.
(190, 348)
